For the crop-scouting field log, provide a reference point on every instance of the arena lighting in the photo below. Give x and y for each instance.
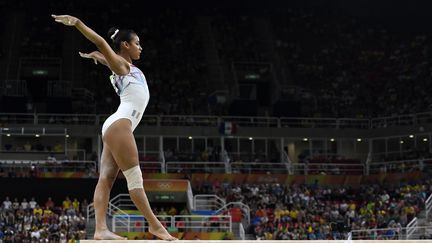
(8, 135)
(305, 139)
(425, 139)
(359, 139)
(250, 138)
(190, 137)
(5, 129)
(37, 135)
(332, 139)
(67, 135)
(411, 136)
(39, 72)
(252, 76)
(401, 141)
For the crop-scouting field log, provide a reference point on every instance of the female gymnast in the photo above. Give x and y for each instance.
(119, 148)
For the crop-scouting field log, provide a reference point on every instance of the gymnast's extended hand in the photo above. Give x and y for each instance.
(106, 55)
(96, 56)
(65, 19)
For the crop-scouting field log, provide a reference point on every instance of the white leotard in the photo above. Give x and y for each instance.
(134, 97)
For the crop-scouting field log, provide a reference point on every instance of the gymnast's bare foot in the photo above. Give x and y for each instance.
(160, 232)
(107, 235)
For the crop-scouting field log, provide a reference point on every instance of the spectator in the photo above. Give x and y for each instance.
(172, 211)
(15, 204)
(37, 211)
(66, 203)
(58, 147)
(7, 204)
(32, 203)
(27, 146)
(84, 206)
(162, 214)
(49, 203)
(70, 212)
(51, 159)
(76, 204)
(24, 204)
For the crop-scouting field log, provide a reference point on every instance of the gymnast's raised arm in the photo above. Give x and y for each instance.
(116, 63)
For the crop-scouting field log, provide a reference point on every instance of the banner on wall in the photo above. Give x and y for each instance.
(165, 185)
(353, 180)
(158, 182)
(166, 190)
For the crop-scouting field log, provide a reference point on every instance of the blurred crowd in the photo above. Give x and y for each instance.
(339, 66)
(314, 212)
(32, 221)
(353, 68)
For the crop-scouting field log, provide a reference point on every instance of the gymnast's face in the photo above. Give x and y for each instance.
(134, 47)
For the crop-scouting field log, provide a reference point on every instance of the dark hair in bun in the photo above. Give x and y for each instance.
(117, 36)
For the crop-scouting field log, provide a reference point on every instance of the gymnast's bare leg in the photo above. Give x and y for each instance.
(121, 142)
(107, 175)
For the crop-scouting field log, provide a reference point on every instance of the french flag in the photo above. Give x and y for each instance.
(228, 128)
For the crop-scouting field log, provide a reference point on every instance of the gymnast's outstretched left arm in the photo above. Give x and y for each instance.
(96, 56)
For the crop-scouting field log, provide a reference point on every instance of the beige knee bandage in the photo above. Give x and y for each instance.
(134, 177)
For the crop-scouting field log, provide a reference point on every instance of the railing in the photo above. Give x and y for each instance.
(343, 123)
(349, 238)
(66, 119)
(122, 201)
(253, 121)
(182, 223)
(205, 121)
(208, 202)
(245, 209)
(162, 158)
(403, 120)
(194, 167)
(287, 161)
(260, 167)
(378, 156)
(135, 223)
(327, 169)
(152, 166)
(226, 160)
(410, 232)
(367, 163)
(49, 166)
(428, 206)
(197, 223)
(90, 211)
(377, 234)
(201, 223)
(79, 153)
(399, 166)
(235, 167)
(242, 233)
(411, 228)
(214, 121)
(110, 210)
(33, 130)
(114, 209)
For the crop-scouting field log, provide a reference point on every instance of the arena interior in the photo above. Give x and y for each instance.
(268, 120)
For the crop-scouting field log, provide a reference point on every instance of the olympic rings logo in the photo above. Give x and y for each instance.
(164, 185)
